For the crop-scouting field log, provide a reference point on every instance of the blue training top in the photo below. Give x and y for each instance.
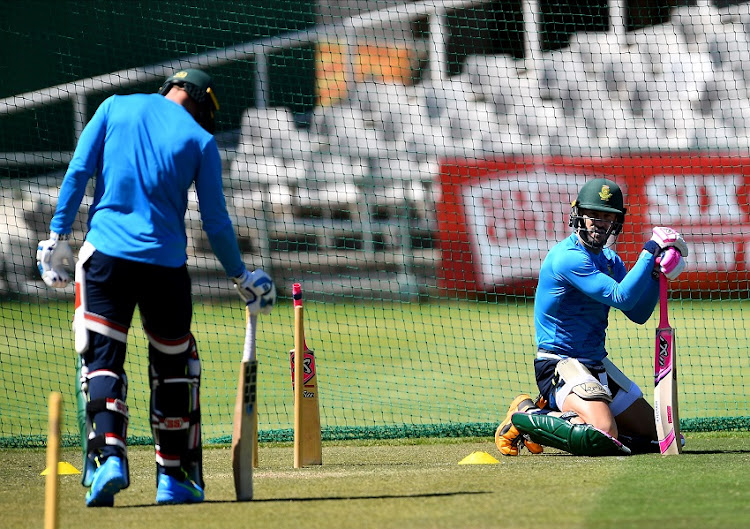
(146, 152)
(576, 290)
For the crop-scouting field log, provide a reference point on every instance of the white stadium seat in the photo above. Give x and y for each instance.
(491, 76)
(595, 50)
(273, 131)
(343, 130)
(728, 99)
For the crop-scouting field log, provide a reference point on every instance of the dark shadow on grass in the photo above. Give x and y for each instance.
(328, 498)
(375, 497)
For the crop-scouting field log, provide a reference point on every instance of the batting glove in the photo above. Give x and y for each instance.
(672, 263)
(257, 290)
(53, 256)
(669, 238)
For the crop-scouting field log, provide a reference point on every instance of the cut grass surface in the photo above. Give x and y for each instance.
(415, 484)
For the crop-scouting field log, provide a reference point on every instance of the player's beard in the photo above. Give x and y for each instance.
(598, 236)
(596, 239)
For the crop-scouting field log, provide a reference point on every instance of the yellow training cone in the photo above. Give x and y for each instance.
(62, 468)
(478, 458)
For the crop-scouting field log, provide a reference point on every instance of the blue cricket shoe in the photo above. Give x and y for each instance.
(109, 479)
(172, 491)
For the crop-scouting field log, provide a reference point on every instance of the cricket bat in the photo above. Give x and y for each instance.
(308, 448)
(665, 381)
(245, 428)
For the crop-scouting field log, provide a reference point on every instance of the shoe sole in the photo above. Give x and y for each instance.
(178, 502)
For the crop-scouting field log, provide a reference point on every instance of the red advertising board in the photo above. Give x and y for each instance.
(498, 218)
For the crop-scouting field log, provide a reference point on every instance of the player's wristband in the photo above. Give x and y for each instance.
(652, 247)
(59, 236)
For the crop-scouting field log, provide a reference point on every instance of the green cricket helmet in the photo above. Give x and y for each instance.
(602, 195)
(199, 86)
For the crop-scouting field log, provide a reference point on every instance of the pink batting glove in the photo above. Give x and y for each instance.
(669, 238)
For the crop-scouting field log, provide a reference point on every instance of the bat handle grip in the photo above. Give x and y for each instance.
(248, 353)
(663, 316)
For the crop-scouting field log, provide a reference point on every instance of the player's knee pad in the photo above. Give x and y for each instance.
(571, 376)
(624, 391)
(175, 411)
(577, 439)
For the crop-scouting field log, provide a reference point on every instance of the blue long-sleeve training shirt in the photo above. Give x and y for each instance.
(146, 152)
(575, 292)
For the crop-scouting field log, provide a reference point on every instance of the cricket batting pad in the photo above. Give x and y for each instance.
(577, 439)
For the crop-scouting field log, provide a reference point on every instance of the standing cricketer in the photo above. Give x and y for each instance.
(587, 406)
(145, 151)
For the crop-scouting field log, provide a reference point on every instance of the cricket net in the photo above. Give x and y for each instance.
(410, 164)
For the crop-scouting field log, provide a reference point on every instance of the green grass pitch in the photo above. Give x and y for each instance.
(392, 363)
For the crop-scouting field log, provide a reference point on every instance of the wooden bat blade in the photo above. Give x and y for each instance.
(244, 431)
(665, 381)
(244, 428)
(308, 448)
(665, 393)
(308, 439)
